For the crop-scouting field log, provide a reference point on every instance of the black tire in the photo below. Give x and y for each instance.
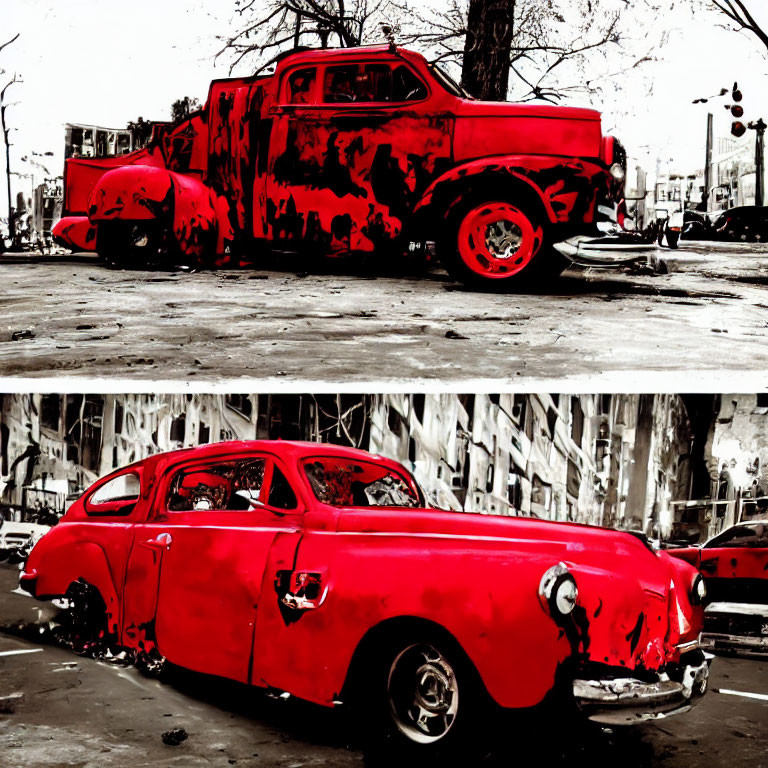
(672, 239)
(132, 244)
(85, 627)
(532, 266)
(391, 676)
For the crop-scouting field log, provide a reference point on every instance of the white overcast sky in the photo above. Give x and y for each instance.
(104, 62)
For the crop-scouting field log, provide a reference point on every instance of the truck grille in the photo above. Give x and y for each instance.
(735, 624)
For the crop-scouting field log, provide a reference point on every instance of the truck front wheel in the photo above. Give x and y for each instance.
(497, 244)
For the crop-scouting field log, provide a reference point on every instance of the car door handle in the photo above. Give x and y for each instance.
(161, 541)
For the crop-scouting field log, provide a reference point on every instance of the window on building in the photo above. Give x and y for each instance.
(178, 427)
(240, 403)
(50, 412)
(577, 421)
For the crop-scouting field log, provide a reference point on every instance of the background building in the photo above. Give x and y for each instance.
(615, 460)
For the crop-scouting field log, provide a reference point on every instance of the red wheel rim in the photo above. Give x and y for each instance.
(497, 240)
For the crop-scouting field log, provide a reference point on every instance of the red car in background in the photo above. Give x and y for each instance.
(360, 150)
(320, 571)
(734, 565)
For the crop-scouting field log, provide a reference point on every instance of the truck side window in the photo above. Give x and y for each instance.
(299, 87)
(406, 86)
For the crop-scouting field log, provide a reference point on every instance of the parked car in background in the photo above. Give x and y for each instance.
(18, 538)
(353, 151)
(748, 223)
(320, 571)
(734, 565)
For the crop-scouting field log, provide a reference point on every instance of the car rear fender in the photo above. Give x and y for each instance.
(55, 563)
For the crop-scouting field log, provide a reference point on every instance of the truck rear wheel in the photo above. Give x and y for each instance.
(420, 699)
(131, 244)
(86, 624)
(497, 244)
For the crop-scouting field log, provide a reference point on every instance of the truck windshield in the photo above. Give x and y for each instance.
(448, 83)
(343, 482)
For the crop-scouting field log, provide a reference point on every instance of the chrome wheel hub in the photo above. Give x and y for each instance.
(503, 239)
(423, 693)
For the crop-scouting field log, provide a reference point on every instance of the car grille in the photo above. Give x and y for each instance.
(735, 624)
(737, 590)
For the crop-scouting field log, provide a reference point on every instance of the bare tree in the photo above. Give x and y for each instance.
(276, 25)
(741, 13)
(487, 48)
(6, 132)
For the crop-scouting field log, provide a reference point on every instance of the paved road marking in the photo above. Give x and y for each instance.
(23, 650)
(761, 696)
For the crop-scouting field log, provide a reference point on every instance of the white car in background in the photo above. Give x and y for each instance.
(17, 539)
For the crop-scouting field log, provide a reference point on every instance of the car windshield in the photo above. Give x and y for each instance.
(448, 83)
(755, 535)
(343, 482)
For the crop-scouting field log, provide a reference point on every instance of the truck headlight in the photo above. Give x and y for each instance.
(558, 591)
(698, 590)
(618, 172)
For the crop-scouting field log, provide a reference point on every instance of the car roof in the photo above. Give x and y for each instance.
(295, 449)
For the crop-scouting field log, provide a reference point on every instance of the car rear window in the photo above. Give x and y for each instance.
(343, 482)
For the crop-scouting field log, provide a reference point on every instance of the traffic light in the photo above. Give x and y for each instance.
(737, 127)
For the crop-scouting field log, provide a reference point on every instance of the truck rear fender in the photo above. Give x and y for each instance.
(197, 218)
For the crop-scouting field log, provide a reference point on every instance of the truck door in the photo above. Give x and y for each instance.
(353, 147)
(203, 554)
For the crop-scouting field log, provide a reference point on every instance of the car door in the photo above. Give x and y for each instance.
(354, 146)
(197, 566)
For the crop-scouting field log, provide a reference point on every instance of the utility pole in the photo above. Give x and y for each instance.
(708, 164)
(759, 127)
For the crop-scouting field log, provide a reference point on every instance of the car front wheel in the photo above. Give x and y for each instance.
(423, 702)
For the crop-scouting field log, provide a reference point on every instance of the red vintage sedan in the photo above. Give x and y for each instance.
(321, 571)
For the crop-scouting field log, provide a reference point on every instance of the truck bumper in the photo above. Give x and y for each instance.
(626, 700)
(605, 251)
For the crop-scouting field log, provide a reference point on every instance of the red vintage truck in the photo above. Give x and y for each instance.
(320, 570)
(350, 151)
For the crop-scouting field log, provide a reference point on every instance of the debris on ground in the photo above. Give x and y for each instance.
(454, 335)
(10, 702)
(174, 737)
(25, 334)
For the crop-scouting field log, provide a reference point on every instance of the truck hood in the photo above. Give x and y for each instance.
(469, 108)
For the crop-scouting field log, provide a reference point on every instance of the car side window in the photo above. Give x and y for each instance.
(121, 488)
(406, 86)
(299, 86)
(234, 484)
(281, 495)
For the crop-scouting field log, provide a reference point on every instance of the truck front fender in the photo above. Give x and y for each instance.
(564, 188)
(190, 211)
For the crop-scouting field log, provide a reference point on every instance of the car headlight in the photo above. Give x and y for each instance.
(558, 591)
(698, 590)
(618, 172)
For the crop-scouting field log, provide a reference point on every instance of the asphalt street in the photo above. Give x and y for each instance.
(92, 714)
(704, 322)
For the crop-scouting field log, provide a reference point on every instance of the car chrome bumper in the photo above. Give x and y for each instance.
(604, 251)
(626, 700)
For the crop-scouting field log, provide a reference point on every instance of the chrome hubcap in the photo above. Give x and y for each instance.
(423, 693)
(502, 239)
